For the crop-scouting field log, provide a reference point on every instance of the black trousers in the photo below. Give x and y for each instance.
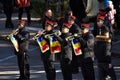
(66, 70)
(23, 64)
(27, 10)
(87, 69)
(50, 70)
(104, 70)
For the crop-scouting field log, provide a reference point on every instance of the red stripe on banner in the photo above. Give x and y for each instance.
(77, 50)
(44, 47)
(56, 48)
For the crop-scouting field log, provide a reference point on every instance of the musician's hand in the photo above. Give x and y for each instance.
(59, 33)
(107, 35)
(14, 32)
(40, 32)
(55, 25)
(75, 35)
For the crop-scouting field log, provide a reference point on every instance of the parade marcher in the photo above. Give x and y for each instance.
(87, 57)
(8, 10)
(103, 50)
(65, 18)
(24, 4)
(48, 15)
(74, 29)
(66, 53)
(23, 41)
(47, 57)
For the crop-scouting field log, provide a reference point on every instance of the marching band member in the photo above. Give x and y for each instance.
(47, 57)
(74, 29)
(22, 37)
(87, 57)
(103, 50)
(66, 53)
(48, 15)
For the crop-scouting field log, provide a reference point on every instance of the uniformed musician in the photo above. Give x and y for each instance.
(22, 37)
(103, 50)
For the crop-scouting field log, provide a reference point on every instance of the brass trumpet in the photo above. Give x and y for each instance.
(37, 35)
(69, 38)
(57, 33)
(16, 31)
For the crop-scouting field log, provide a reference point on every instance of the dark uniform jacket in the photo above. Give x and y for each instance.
(23, 40)
(66, 54)
(87, 42)
(47, 56)
(102, 48)
(75, 29)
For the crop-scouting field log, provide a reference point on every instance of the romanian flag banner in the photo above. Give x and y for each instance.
(42, 44)
(77, 47)
(14, 42)
(55, 45)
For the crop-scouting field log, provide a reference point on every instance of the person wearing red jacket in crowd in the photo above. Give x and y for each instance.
(24, 4)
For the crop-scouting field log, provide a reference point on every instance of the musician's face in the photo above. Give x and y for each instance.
(100, 23)
(49, 13)
(20, 26)
(65, 30)
(85, 30)
(71, 21)
(48, 27)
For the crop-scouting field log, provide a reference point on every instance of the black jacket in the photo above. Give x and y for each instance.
(47, 56)
(75, 29)
(23, 40)
(87, 42)
(66, 54)
(102, 48)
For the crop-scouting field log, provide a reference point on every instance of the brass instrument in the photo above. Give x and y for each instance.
(47, 35)
(103, 38)
(57, 33)
(16, 31)
(37, 35)
(69, 38)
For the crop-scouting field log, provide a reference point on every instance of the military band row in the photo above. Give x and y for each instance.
(74, 44)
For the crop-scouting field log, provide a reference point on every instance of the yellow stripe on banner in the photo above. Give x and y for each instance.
(43, 42)
(55, 43)
(77, 45)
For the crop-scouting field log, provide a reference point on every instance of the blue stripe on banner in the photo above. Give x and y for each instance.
(40, 39)
(75, 41)
(13, 38)
(52, 39)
